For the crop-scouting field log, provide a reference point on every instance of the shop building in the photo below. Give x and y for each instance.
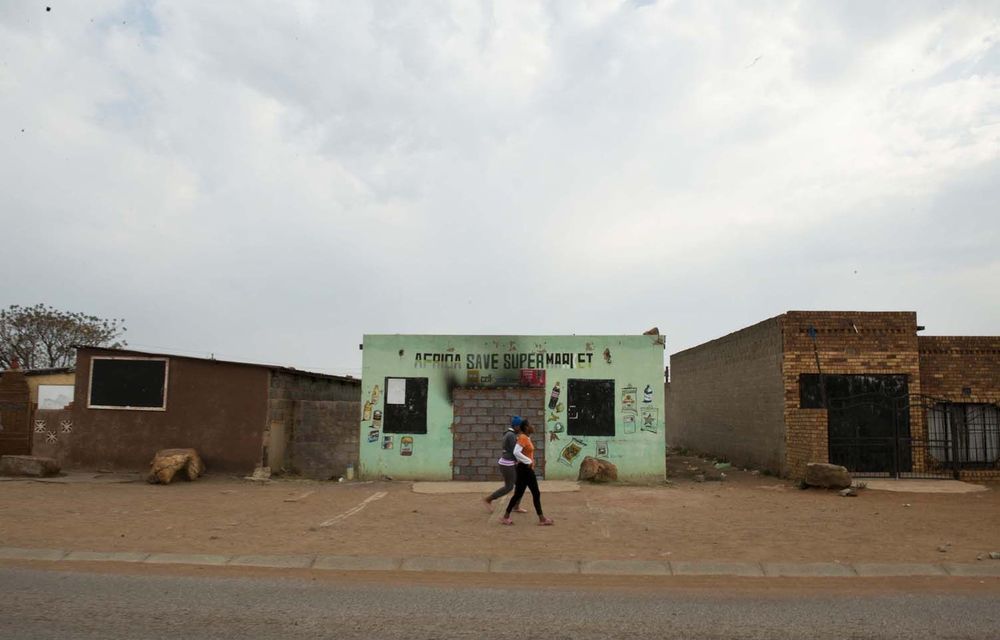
(435, 407)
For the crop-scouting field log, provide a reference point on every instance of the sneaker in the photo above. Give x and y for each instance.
(488, 504)
(506, 520)
(546, 522)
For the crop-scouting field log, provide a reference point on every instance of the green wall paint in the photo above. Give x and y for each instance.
(635, 363)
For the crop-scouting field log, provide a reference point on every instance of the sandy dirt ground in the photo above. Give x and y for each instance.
(742, 518)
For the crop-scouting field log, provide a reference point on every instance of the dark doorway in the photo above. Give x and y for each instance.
(591, 408)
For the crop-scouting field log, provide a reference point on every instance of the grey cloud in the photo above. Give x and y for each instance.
(271, 181)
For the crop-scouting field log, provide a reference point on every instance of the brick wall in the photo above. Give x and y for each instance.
(480, 418)
(848, 342)
(949, 364)
(324, 438)
(725, 398)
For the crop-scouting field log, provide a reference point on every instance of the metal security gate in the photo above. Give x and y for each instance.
(964, 435)
(871, 435)
(15, 414)
(869, 428)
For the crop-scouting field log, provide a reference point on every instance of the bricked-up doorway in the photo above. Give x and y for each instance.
(480, 418)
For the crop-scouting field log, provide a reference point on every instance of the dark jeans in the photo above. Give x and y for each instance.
(525, 480)
(509, 477)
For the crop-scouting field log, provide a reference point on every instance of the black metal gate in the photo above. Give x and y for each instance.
(872, 436)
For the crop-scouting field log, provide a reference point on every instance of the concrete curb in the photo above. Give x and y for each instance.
(625, 567)
(809, 570)
(274, 562)
(741, 569)
(990, 569)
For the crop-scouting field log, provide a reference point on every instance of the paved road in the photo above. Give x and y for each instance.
(49, 604)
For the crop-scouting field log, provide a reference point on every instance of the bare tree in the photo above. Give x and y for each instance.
(40, 337)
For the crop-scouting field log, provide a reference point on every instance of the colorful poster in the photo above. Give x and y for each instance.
(377, 419)
(602, 448)
(571, 451)
(406, 446)
(628, 398)
(387, 441)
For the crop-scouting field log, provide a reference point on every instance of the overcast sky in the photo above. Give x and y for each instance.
(269, 181)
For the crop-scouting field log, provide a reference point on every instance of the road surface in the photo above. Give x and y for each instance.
(41, 603)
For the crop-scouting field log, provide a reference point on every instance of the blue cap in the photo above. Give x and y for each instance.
(516, 421)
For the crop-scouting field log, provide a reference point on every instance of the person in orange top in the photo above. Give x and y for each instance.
(524, 452)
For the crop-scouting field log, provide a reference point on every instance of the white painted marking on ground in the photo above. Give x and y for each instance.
(350, 512)
(596, 514)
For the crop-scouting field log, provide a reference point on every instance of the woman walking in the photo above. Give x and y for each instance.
(524, 453)
(507, 464)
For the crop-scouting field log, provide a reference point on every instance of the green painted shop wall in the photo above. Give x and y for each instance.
(635, 363)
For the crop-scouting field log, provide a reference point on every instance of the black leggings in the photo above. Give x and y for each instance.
(525, 480)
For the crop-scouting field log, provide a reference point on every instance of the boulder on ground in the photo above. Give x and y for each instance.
(597, 470)
(827, 476)
(30, 466)
(167, 462)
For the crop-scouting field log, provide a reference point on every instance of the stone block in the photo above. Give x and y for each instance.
(28, 466)
(827, 476)
(597, 470)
